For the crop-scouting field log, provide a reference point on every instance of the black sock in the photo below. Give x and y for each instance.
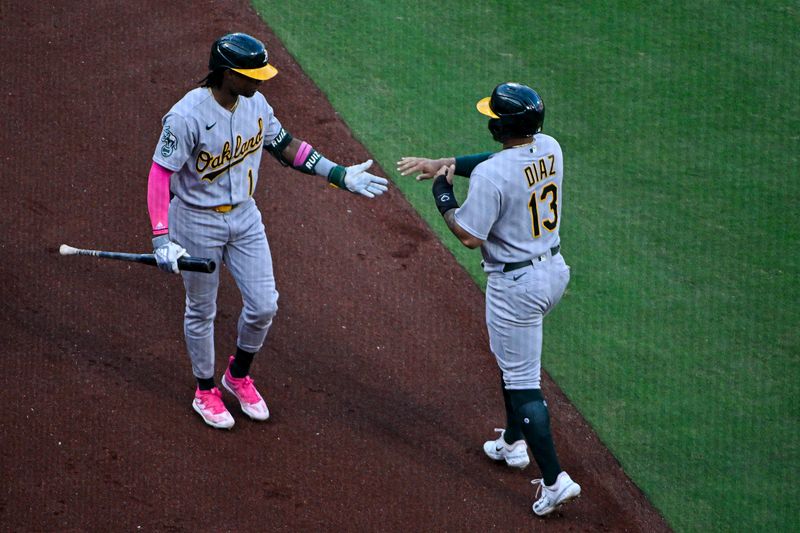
(534, 419)
(240, 366)
(205, 383)
(513, 432)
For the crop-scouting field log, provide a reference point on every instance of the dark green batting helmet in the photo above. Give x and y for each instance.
(514, 110)
(243, 54)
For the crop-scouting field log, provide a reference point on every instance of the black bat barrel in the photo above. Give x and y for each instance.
(190, 264)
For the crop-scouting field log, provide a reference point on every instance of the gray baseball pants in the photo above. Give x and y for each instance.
(516, 304)
(238, 240)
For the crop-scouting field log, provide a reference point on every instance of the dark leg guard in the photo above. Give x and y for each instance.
(513, 431)
(531, 413)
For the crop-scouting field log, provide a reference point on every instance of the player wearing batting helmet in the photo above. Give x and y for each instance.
(207, 158)
(513, 213)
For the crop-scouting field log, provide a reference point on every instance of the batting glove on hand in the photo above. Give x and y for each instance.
(359, 181)
(167, 253)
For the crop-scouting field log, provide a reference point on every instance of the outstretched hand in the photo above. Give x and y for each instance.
(358, 180)
(426, 167)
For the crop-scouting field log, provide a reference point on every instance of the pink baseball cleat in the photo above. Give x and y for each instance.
(208, 404)
(250, 400)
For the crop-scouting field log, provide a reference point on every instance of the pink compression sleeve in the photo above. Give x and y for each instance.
(158, 198)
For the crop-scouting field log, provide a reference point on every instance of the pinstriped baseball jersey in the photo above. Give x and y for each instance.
(213, 152)
(514, 202)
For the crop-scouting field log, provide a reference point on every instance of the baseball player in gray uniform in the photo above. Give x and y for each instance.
(513, 213)
(200, 201)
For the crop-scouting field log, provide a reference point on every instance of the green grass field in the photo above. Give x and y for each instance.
(678, 338)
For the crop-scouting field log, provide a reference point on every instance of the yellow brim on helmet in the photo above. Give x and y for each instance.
(262, 73)
(483, 107)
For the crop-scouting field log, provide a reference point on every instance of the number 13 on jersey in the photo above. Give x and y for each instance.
(546, 198)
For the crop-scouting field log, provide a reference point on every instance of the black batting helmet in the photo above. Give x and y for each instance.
(515, 110)
(243, 54)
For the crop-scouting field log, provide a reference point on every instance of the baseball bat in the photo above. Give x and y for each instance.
(192, 264)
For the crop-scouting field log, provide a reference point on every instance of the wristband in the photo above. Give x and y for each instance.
(336, 177)
(443, 194)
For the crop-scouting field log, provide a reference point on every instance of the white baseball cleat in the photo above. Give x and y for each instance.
(515, 455)
(556, 495)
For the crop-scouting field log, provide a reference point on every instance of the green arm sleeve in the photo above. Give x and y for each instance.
(465, 164)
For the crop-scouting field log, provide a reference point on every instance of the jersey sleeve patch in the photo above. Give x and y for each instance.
(168, 141)
(174, 146)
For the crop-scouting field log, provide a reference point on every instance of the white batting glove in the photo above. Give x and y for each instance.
(167, 253)
(359, 181)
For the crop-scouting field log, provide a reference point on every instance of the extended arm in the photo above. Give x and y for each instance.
(301, 156)
(463, 165)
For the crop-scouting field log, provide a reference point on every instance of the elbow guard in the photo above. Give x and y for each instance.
(277, 146)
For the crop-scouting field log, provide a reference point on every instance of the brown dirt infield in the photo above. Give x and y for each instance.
(376, 370)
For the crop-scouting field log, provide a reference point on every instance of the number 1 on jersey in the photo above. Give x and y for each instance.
(551, 222)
